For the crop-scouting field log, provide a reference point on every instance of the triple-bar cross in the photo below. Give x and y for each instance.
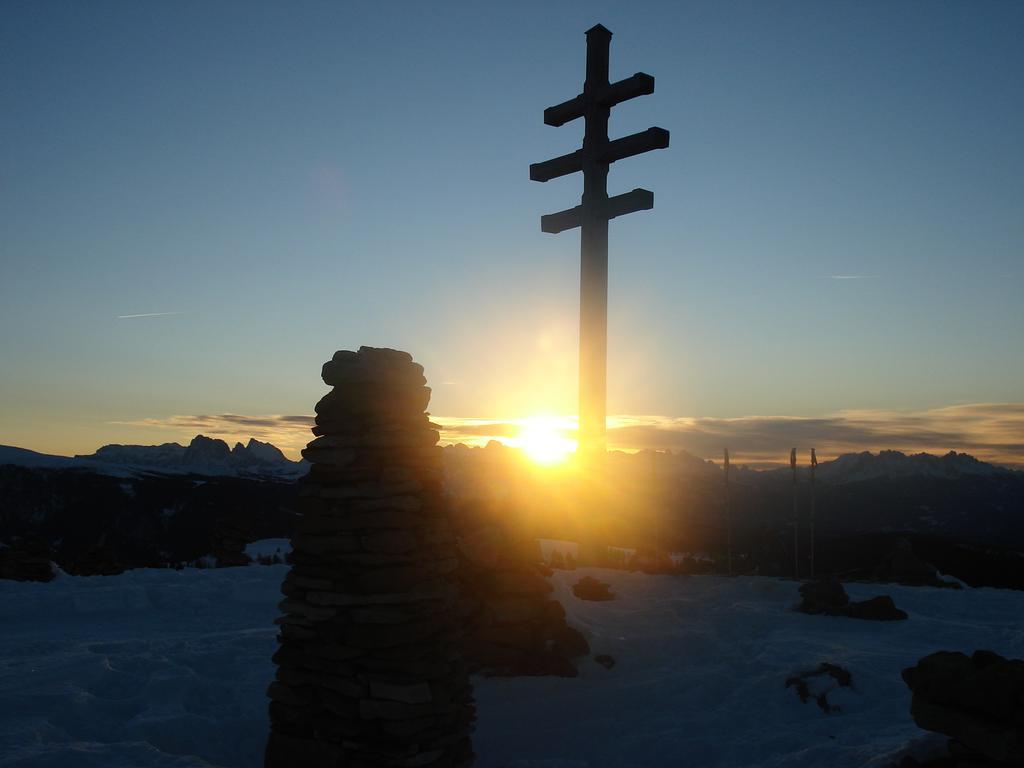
(594, 212)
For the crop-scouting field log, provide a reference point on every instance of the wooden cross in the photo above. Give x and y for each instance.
(594, 212)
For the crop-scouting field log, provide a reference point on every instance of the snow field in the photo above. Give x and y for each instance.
(169, 668)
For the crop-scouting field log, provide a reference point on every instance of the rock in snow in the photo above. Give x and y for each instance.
(589, 588)
(827, 596)
(977, 700)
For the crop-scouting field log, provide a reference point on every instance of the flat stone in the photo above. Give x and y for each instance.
(369, 490)
(362, 370)
(338, 457)
(389, 541)
(290, 632)
(379, 709)
(385, 615)
(332, 651)
(340, 705)
(315, 612)
(287, 752)
(483, 547)
(278, 691)
(421, 760)
(401, 503)
(307, 583)
(513, 610)
(342, 685)
(400, 579)
(321, 544)
(385, 355)
(520, 583)
(344, 519)
(417, 693)
(420, 592)
(376, 636)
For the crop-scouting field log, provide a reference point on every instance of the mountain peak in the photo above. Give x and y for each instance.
(206, 450)
(854, 467)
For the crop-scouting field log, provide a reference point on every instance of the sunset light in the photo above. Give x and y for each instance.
(543, 439)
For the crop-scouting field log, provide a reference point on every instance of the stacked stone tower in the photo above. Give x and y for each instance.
(370, 671)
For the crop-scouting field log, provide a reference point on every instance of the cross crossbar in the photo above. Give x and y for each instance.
(635, 144)
(640, 84)
(558, 166)
(620, 205)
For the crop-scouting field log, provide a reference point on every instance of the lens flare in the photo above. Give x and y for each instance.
(543, 440)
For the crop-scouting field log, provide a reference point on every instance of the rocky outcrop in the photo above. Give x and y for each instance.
(977, 700)
(370, 667)
(903, 566)
(827, 596)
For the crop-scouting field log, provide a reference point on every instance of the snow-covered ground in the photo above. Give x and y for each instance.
(169, 668)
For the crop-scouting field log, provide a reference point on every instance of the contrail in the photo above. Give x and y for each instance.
(147, 314)
(850, 277)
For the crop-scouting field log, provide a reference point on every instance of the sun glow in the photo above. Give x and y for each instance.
(543, 439)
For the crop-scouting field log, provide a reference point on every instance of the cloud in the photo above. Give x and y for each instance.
(991, 431)
(455, 430)
(148, 314)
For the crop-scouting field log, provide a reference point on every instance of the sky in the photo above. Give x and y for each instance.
(200, 202)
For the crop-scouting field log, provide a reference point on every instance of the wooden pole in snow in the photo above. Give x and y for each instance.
(814, 464)
(796, 518)
(728, 515)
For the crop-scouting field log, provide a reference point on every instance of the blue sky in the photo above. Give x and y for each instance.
(295, 178)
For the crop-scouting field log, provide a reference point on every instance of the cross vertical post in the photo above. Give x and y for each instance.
(592, 215)
(593, 341)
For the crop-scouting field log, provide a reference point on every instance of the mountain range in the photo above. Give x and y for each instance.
(130, 506)
(212, 457)
(202, 456)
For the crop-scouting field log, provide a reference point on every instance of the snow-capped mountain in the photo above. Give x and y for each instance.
(165, 454)
(202, 456)
(856, 467)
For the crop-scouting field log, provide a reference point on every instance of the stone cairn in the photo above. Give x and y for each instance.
(370, 668)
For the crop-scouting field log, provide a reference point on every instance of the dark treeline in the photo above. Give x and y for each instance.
(969, 524)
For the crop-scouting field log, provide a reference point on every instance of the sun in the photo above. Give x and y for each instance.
(542, 438)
